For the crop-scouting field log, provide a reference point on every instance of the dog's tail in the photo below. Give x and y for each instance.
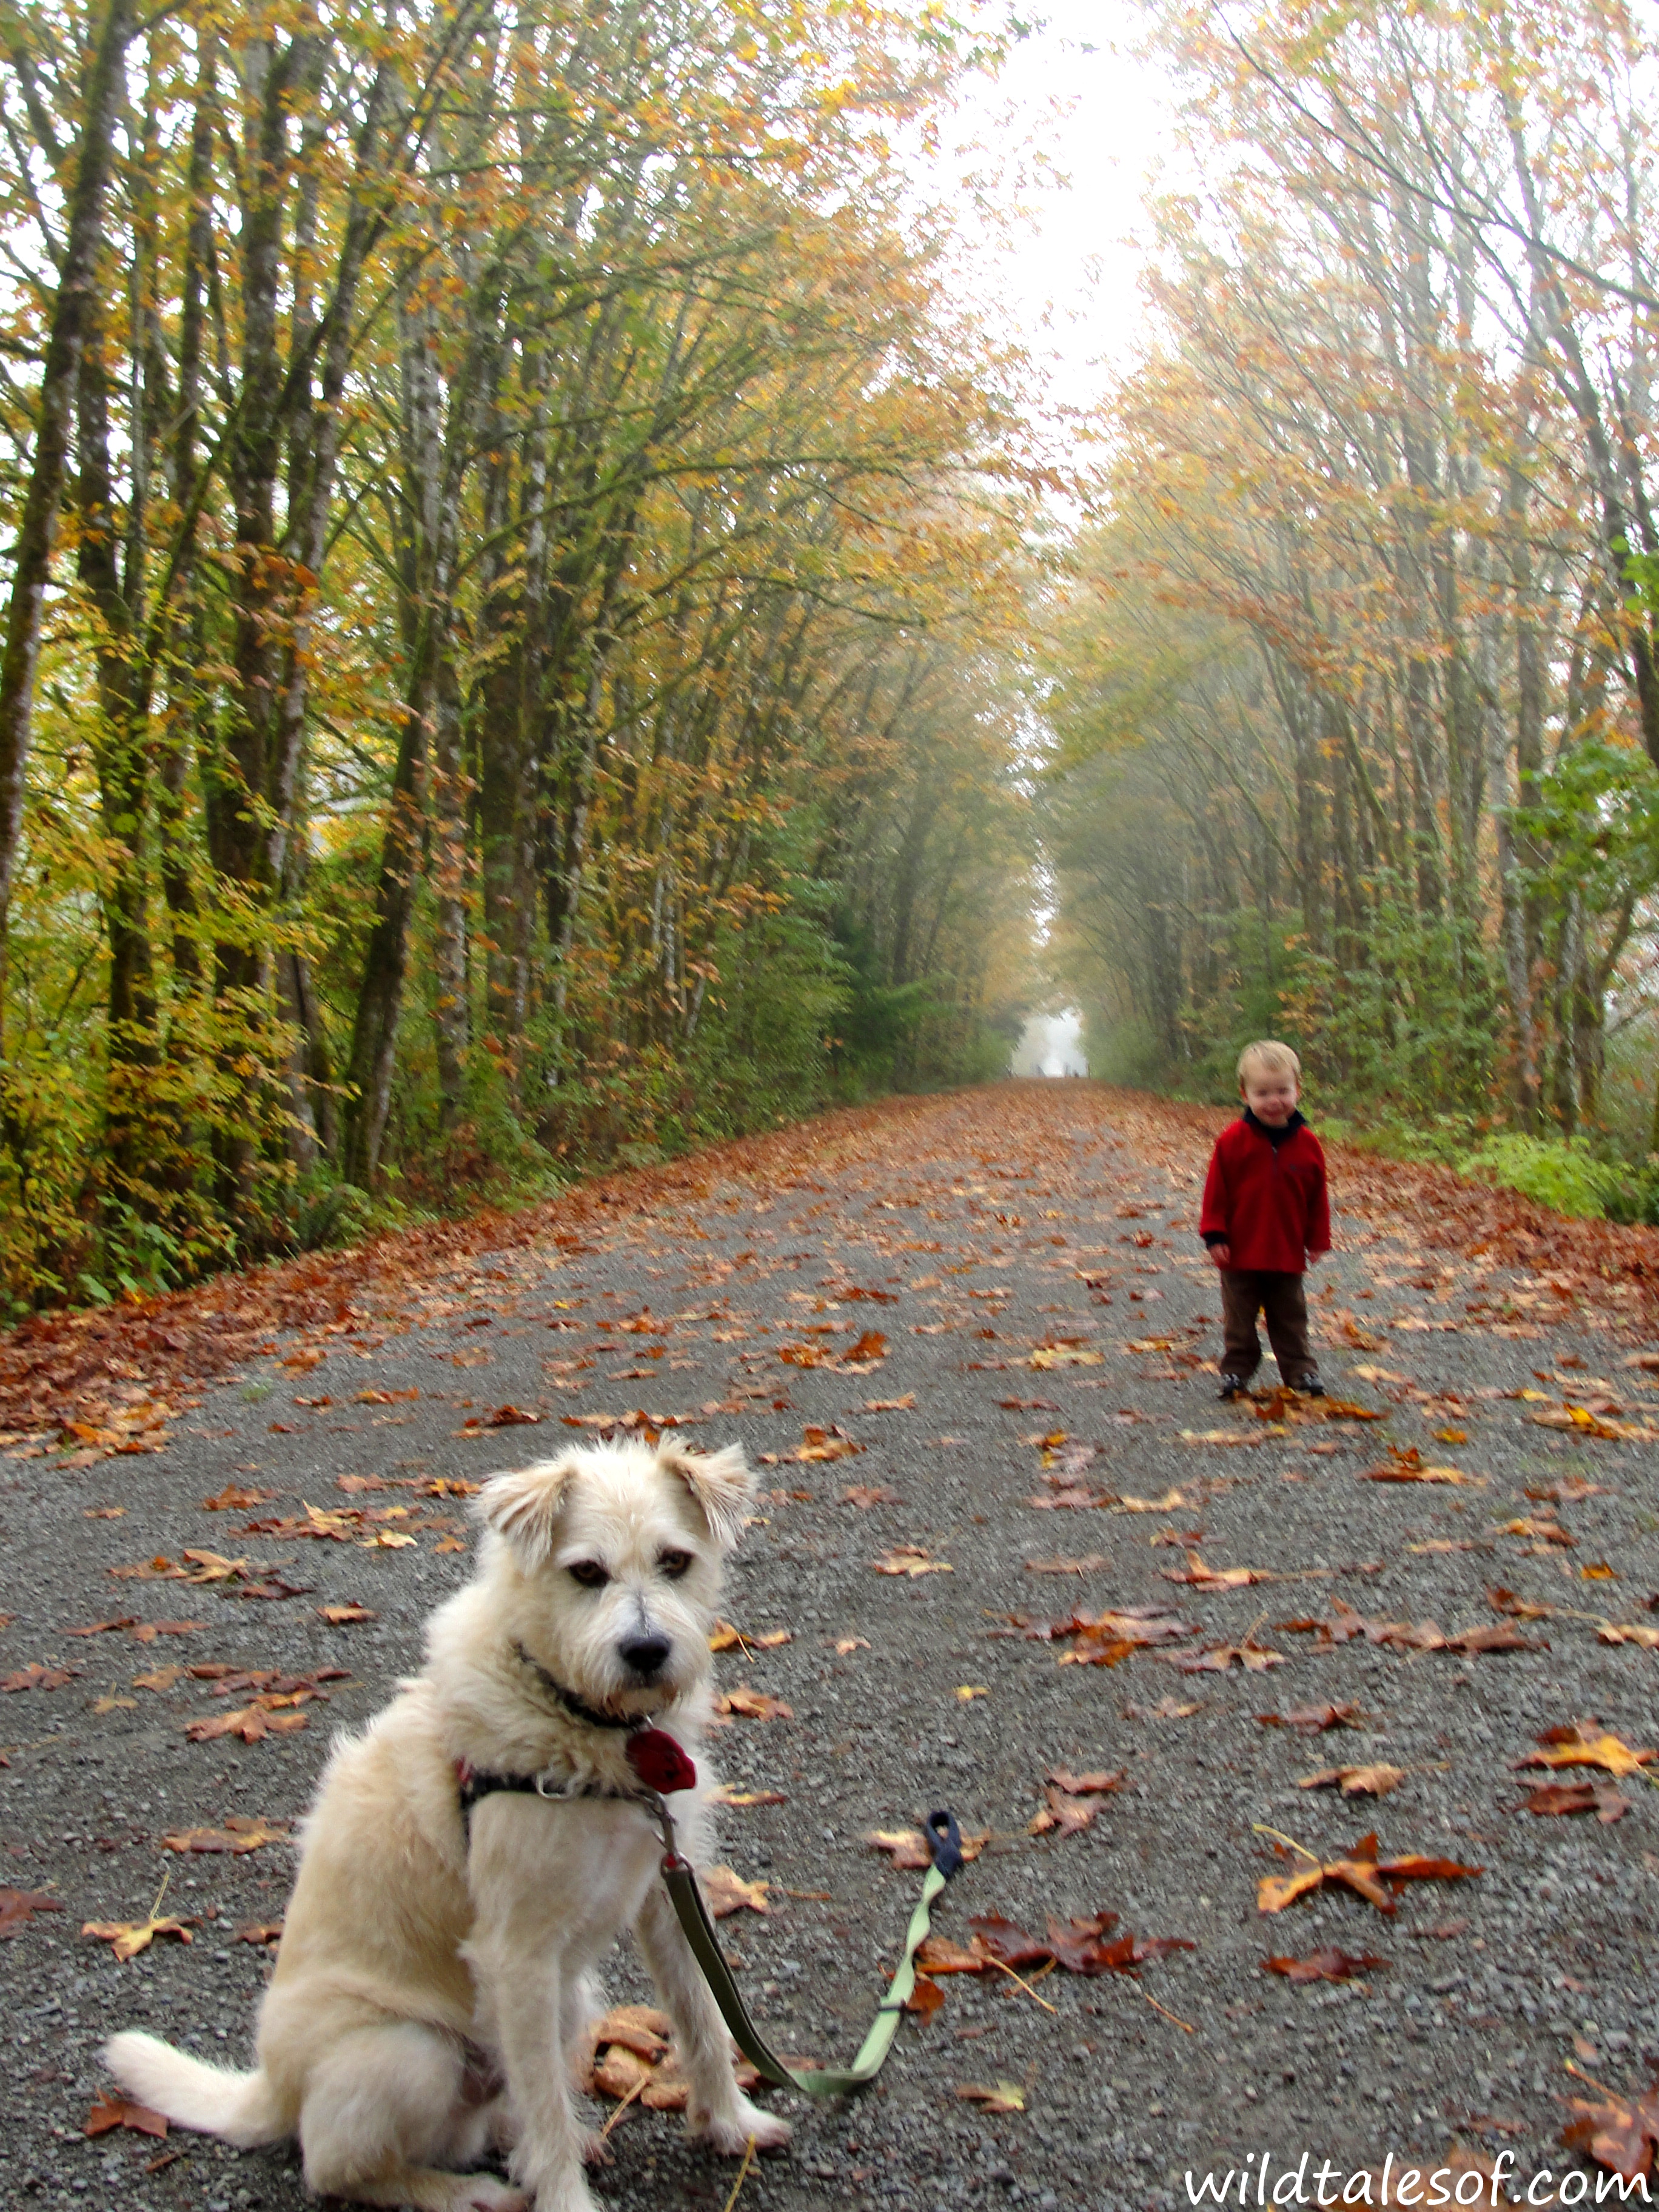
(239, 2108)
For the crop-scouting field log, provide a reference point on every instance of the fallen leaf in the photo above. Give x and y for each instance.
(1409, 1466)
(1628, 1633)
(1250, 1657)
(17, 1905)
(826, 1444)
(340, 1616)
(906, 1559)
(904, 1404)
(1569, 1747)
(234, 1499)
(128, 1938)
(103, 1627)
(37, 1677)
(1361, 1872)
(1214, 1578)
(846, 1644)
(1356, 1781)
(258, 1932)
(1313, 1718)
(1548, 1798)
(160, 1679)
(1166, 1708)
(754, 1704)
(726, 1795)
(725, 1891)
(924, 1998)
(239, 1836)
(864, 1495)
(1519, 1608)
(1619, 2132)
(1060, 1355)
(967, 1691)
(937, 1955)
(117, 2111)
(1002, 2097)
(1326, 1966)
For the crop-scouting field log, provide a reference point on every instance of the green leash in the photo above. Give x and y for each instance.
(945, 1842)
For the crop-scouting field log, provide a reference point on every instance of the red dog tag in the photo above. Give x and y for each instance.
(660, 1763)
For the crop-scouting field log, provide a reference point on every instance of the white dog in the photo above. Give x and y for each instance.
(435, 1976)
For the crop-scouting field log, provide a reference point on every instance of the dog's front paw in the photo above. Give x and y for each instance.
(485, 2194)
(596, 2151)
(730, 2130)
(554, 2185)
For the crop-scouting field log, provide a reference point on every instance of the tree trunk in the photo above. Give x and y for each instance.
(60, 369)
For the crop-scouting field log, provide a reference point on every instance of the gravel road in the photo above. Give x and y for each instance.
(1029, 1254)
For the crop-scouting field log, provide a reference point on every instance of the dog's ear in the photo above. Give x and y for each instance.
(524, 1507)
(720, 1483)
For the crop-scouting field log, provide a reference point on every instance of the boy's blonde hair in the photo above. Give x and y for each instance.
(1271, 1057)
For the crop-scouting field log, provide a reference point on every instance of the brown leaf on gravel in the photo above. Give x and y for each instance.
(1628, 1633)
(1360, 1871)
(258, 1932)
(924, 1998)
(160, 1679)
(1326, 1966)
(864, 1495)
(937, 1954)
(16, 1906)
(1574, 1746)
(1214, 1578)
(907, 1560)
(1548, 1798)
(1408, 1466)
(905, 1405)
(1314, 1719)
(128, 1938)
(233, 1498)
(1542, 1532)
(998, 2097)
(103, 1627)
(239, 1836)
(1356, 1781)
(754, 1704)
(36, 1677)
(1166, 1708)
(725, 1891)
(114, 2110)
(826, 1444)
(1618, 2131)
(1520, 1608)
(1342, 1624)
(341, 1616)
(1252, 1657)
(148, 1631)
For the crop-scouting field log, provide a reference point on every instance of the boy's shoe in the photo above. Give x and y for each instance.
(1308, 1387)
(1233, 1386)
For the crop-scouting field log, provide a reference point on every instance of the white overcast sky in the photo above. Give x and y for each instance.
(1106, 120)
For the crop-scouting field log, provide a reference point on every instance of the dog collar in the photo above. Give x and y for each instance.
(662, 1764)
(578, 1708)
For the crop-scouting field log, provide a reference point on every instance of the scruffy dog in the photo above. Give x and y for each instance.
(435, 1970)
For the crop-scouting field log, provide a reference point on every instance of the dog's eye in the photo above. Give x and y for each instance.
(675, 1563)
(590, 1574)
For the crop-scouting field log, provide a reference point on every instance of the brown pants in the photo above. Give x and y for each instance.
(1279, 1298)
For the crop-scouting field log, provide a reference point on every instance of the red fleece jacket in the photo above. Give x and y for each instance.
(1268, 1201)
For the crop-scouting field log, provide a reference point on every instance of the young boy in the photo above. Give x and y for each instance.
(1266, 1218)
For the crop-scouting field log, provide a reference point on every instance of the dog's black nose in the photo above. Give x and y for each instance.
(644, 1655)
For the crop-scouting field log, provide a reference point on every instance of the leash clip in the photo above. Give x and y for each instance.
(945, 1841)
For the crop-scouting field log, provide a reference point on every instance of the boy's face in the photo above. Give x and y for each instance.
(1271, 1094)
